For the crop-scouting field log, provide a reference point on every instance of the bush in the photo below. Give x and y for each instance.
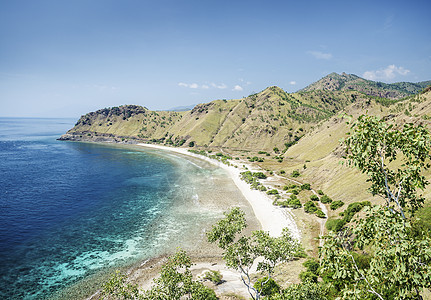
(336, 204)
(295, 173)
(312, 265)
(320, 213)
(272, 192)
(201, 292)
(314, 198)
(267, 289)
(306, 186)
(259, 175)
(213, 276)
(320, 192)
(335, 224)
(294, 203)
(325, 199)
(310, 207)
(191, 144)
(308, 276)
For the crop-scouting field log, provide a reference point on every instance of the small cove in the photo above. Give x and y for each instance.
(73, 210)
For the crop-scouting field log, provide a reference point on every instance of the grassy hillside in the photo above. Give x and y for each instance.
(346, 82)
(271, 118)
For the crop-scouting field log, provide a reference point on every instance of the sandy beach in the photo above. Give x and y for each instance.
(272, 218)
(262, 214)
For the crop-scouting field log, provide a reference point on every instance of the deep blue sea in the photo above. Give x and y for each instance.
(70, 209)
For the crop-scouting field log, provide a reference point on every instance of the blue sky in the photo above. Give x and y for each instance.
(66, 58)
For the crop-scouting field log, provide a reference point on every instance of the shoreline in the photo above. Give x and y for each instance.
(268, 217)
(272, 218)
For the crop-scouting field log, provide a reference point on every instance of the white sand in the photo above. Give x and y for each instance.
(272, 218)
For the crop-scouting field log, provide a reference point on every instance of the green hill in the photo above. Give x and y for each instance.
(271, 118)
(346, 82)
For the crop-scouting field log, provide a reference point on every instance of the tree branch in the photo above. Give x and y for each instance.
(371, 290)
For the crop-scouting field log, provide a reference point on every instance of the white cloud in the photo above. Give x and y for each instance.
(386, 74)
(292, 82)
(320, 55)
(237, 88)
(219, 86)
(203, 86)
(189, 85)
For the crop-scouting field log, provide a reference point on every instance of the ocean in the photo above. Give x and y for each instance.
(69, 210)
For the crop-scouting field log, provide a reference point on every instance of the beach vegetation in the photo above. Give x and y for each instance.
(272, 192)
(175, 281)
(240, 252)
(214, 276)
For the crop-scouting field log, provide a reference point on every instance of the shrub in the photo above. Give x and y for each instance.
(259, 175)
(294, 203)
(307, 276)
(191, 144)
(325, 199)
(320, 213)
(320, 192)
(335, 224)
(310, 207)
(272, 192)
(213, 276)
(314, 198)
(312, 265)
(336, 204)
(295, 173)
(306, 186)
(267, 287)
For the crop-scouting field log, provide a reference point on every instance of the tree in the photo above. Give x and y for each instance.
(175, 281)
(379, 256)
(240, 253)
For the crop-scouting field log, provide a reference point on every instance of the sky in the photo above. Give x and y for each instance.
(62, 58)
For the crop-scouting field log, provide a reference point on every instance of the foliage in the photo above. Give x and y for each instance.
(320, 192)
(398, 260)
(399, 266)
(175, 281)
(335, 224)
(214, 276)
(314, 198)
(241, 252)
(304, 291)
(325, 199)
(310, 207)
(272, 192)
(268, 286)
(118, 287)
(336, 204)
(306, 186)
(296, 173)
(259, 175)
(373, 147)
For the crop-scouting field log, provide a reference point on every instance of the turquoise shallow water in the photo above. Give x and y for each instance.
(69, 210)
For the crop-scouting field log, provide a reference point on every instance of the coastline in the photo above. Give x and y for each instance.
(262, 214)
(272, 218)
